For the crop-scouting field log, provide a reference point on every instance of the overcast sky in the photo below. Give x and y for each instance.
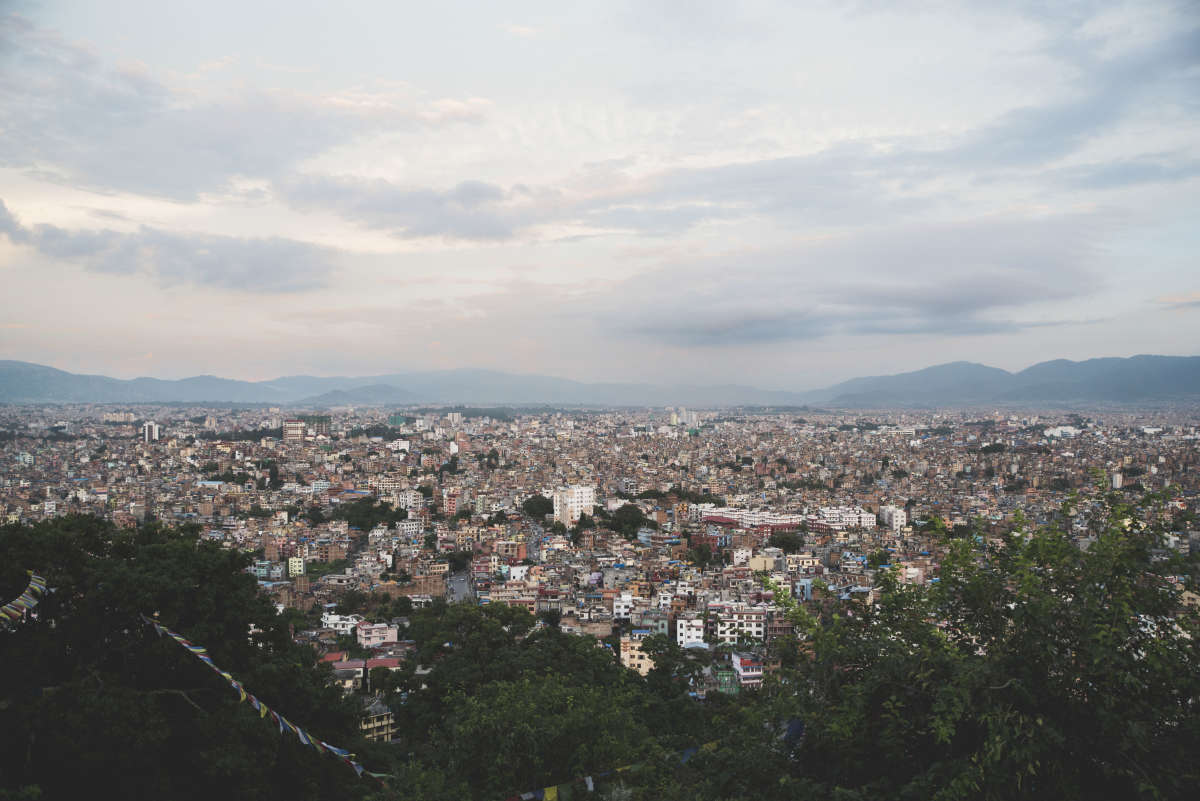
(779, 194)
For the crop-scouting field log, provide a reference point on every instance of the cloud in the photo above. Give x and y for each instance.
(472, 210)
(839, 186)
(1181, 302)
(954, 279)
(1159, 168)
(1104, 93)
(725, 328)
(855, 183)
(71, 115)
(267, 265)
(523, 31)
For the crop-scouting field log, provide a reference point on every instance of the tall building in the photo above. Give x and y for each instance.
(150, 431)
(293, 430)
(319, 423)
(892, 517)
(573, 501)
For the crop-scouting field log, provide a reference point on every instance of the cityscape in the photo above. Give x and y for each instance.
(640, 530)
(637, 401)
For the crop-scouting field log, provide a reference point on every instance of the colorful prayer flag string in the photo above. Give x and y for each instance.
(263, 710)
(13, 610)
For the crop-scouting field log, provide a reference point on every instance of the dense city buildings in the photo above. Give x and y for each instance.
(621, 523)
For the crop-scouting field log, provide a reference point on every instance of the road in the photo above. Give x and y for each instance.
(458, 588)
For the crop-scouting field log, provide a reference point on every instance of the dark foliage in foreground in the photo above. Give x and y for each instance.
(1032, 669)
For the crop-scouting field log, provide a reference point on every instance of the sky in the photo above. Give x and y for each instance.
(784, 195)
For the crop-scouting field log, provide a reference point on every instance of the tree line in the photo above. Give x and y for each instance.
(1033, 668)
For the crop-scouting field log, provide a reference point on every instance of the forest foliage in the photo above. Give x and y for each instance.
(1032, 668)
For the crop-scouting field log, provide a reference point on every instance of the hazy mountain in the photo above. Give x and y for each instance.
(373, 395)
(1134, 380)
(953, 383)
(21, 382)
(1137, 379)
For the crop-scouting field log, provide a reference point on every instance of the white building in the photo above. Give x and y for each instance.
(410, 499)
(573, 501)
(736, 621)
(409, 528)
(749, 669)
(623, 606)
(342, 624)
(846, 517)
(892, 517)
(689, 630)
(150, 431)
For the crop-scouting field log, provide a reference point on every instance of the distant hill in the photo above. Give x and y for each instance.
(953, 383)
(1138, 379)
(373, 395)
(22, 382)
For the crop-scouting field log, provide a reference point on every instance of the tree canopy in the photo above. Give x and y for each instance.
(537, 506)
(92, 700)
(1033, 668)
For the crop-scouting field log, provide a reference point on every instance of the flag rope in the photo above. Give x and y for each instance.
(263, 710)
(16, 608)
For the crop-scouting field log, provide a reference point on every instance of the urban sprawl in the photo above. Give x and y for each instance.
(702, 526)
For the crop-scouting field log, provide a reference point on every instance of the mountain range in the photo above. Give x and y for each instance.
(1133, 380)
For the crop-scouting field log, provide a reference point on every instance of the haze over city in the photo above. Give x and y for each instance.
(645, 400)
(754, 192)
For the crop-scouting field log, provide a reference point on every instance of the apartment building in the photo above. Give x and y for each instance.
(573, 501)
(632, 655)
(370, 635)
(748, 669)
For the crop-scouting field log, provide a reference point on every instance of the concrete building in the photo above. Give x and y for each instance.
(632, 655)
(371, 634)
(573, 501)
(892, 517)
(689, 629)
(748, 668)
(377, 722)
(342, 624)
(293, 430)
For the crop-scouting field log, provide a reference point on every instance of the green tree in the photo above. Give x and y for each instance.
(459, 560)
(787, 541)
(1032, 669)
(701, 554)
(877, 558)
(88, 685)
(367, 513)
(675, 668)
(352, 602)
(537, 507)
(627, 520)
